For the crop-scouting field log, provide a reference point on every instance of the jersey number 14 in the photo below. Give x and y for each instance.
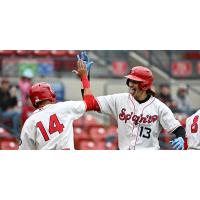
(54, 126)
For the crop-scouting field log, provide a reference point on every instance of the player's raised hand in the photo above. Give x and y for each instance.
(81, 68)
(178, 143)
(84, 56)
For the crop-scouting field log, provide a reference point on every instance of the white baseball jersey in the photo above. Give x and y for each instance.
(51, 127)
(139, 125)
(193, 131)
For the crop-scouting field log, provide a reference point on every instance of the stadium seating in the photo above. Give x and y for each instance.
(88, 145)
(42, 53)
(59, 53)
(7, 141)
(4, 132)
(72, 53)
(100, 145)
(8, 144)
(24, 52)
(110, 146)
(7, 52)
(78, 122)
(89, 122)
(79, 136)
(97, 133)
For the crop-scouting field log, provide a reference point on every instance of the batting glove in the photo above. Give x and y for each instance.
(84, 56)
(178, 143)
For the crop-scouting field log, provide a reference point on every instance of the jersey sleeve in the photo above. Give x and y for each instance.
(107, 104)
(27, 137)
(75, 108)
(167, 118)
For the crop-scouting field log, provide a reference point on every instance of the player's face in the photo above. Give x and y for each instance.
(135, 91)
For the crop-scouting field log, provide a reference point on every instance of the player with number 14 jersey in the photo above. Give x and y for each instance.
(51, 125)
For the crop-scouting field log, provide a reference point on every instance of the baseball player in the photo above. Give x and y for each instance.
(193, 131)
(50, 126)
(140, 115)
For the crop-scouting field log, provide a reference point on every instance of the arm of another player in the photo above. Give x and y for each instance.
(87, 95)
(172, 125)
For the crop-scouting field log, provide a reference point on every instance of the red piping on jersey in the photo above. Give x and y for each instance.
(134, 110)
(142, 113)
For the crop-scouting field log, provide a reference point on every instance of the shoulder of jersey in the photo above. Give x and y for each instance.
(192, 116)
(121, 95)
(158, 101)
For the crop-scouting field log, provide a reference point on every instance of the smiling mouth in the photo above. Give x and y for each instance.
(132, 91)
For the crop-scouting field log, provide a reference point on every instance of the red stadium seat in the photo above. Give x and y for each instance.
(9, 144)
(4, 132)
(72, 53)
(80, 134)
(59, 53)
(7, 52)
(97, 133)
(24, 52)
(101, 145)
(70, 64)
(42, 53)
(88, 145)
(78, 122)
(111, 146)
(89, 122)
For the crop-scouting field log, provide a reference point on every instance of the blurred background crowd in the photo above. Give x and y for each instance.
(176, 83)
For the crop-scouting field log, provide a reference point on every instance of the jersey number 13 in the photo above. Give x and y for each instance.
(145, 132)
(54, 126)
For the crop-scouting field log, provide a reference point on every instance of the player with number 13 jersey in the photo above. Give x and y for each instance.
(139, 114)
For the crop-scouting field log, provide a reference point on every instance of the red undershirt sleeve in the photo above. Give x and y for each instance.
(91, 103)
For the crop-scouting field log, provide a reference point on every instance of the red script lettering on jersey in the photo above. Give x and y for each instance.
(137, 119)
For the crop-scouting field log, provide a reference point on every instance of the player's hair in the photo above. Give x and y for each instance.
(152, 92)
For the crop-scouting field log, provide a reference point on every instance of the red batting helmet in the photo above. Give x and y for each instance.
(142, 75)
(41, 91)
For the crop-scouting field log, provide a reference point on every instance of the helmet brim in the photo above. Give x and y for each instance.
(134, 78)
